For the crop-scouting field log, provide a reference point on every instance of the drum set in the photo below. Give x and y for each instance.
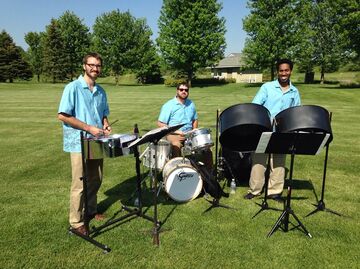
(181, 180)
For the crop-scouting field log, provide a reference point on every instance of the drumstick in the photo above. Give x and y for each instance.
(111, 124)
(115, 121)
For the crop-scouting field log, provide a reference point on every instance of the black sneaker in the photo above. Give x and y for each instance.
(249, 196)
(276, 197)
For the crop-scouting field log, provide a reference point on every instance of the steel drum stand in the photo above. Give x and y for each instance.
(321, 204)
(291, 143)
(88, 238)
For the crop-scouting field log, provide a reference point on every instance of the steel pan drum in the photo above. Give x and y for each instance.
(111, 146)
(241, 126)
(306, 118)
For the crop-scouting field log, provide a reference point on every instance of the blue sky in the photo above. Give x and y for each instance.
(19, 17)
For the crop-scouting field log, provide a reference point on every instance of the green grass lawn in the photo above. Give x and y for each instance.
(35, 182)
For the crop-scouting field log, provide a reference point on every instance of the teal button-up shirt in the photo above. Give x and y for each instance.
(85, 105)
(274, 99)
(173, 113)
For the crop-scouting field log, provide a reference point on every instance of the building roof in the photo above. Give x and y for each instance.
(232, 60)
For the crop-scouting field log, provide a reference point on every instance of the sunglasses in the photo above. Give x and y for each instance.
(186, 90)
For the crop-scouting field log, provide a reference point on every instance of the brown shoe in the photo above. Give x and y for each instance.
(81, 230)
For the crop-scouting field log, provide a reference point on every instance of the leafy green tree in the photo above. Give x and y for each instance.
(12, 63)
(76, 41)
(54, 57)
(35, 52)
(350, 21)
(273, 31)
(191, 34)
(123, 41)
(323, 40)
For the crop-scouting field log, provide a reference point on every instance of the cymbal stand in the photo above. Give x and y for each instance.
(321, 204)
(264, 205)
(87, 237)
(284, 217)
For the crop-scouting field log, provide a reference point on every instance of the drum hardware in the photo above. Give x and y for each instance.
(152, 136)
(320, 206)
(87, 237)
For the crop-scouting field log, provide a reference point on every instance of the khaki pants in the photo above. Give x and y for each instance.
(94, 178)
(277, 173)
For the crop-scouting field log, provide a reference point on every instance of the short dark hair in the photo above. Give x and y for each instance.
(182, 83)
(284, 61)
(94, 55)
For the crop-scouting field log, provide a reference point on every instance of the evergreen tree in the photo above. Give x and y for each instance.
(54, 57)
(12, 63)
(191, 34)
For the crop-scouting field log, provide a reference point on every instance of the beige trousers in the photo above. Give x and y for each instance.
(94, 178)
(277, 173)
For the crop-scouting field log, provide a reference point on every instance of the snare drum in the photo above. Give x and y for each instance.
(181, 180)
(200, 139)
(163, 150)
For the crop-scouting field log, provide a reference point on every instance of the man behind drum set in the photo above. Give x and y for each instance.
(181, 110)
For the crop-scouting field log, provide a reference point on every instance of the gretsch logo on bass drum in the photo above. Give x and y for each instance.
(184, 175)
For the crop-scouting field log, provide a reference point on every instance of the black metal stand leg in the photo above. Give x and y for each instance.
(320, 206)
(285, 215)
(86, 206)
(264, 205)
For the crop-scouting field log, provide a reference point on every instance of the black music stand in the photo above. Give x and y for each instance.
(295, 143)
(152, 136)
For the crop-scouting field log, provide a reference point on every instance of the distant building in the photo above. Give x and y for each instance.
(233, 66)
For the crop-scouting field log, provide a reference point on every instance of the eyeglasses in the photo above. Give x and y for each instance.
(186, 90)
(94, 65)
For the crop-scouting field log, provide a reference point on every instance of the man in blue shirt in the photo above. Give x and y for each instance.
(179, 110)
(84, 108)
(276, 96)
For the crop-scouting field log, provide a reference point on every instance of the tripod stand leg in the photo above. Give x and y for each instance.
(300, 223)
(91, 240)
(278, 223)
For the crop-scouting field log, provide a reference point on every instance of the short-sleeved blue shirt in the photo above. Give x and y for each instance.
(85, 105)
(274, 99)
(173, 113)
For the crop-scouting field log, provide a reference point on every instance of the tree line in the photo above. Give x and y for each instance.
(314, 33)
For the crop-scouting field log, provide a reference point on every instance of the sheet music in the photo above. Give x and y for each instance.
(263, 142)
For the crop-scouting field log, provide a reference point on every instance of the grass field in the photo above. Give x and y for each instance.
(35, 181)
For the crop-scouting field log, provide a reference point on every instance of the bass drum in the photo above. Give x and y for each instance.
(181, 180)
(306, 118)
(241, 126)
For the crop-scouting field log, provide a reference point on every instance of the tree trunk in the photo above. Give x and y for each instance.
(309, 77)
(272, 72)
(322, 76)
